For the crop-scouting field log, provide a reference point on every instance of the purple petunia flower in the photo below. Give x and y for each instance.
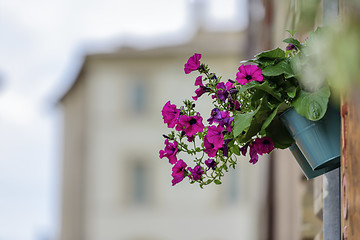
(225, 147)
(243, 149)
(170, 151)
(193, 63)
(210, 149)
(226, 120)
(215, 116)
(253, 155)
(248, 73)
(170, 114)
(215, 136)
(190, 124)
(196, 173)
(221, 117)
(237, 105)
(234, 105)
(263, 145)
(290, 47)
(178, 172)
(222, 93)
(211, 163)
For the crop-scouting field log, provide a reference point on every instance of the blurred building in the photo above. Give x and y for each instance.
(114, 184)
(116, 187)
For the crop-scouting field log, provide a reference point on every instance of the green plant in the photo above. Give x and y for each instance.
(245, 114)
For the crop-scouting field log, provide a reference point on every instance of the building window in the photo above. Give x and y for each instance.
(139, 183)
(138, 97)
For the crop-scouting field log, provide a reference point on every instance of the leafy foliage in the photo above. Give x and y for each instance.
(262, 100)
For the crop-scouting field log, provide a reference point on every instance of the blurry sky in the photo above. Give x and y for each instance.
(42, 43)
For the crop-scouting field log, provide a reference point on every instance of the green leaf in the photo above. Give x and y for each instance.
(275, 53)
(269, 89)
(291, 91)
(217, 182)
(261, 115)
(247, 86)
(279, 134)
(236, 150)
(264, 62)
(265, 86)
(283, 67)
(292, 32)
(247, 61)
(312, 105)
(293, 41)
(318, 32)
(267, 122)
(242, 122)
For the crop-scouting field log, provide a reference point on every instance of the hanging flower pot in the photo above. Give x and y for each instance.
(247, 117)
(319, 141)
(305, 166)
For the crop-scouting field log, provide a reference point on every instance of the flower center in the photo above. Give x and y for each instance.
(248, 77)
(192, 121)
(266, 142)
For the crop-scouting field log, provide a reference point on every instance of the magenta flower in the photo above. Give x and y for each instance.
(193, 63)
(234, 105)
(198, 81)
(196, 173)
(248, 73)
(178, 172)
(211, 163)
(201, 90)
(229, 85)
(253, 155)
(215, 136)
(170, 151)
(170, 114)
(210, 149)
(237, 105)
(263, 145)
(190, 124)
(190, 139)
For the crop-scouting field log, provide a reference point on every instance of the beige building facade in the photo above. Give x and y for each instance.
(115, 186)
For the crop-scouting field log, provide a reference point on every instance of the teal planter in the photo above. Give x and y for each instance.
(319, 141)
(305, 166)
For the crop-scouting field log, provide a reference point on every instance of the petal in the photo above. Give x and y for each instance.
(198, 81)
(250, 69)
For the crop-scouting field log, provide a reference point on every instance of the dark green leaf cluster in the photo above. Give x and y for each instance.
(266, 101)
